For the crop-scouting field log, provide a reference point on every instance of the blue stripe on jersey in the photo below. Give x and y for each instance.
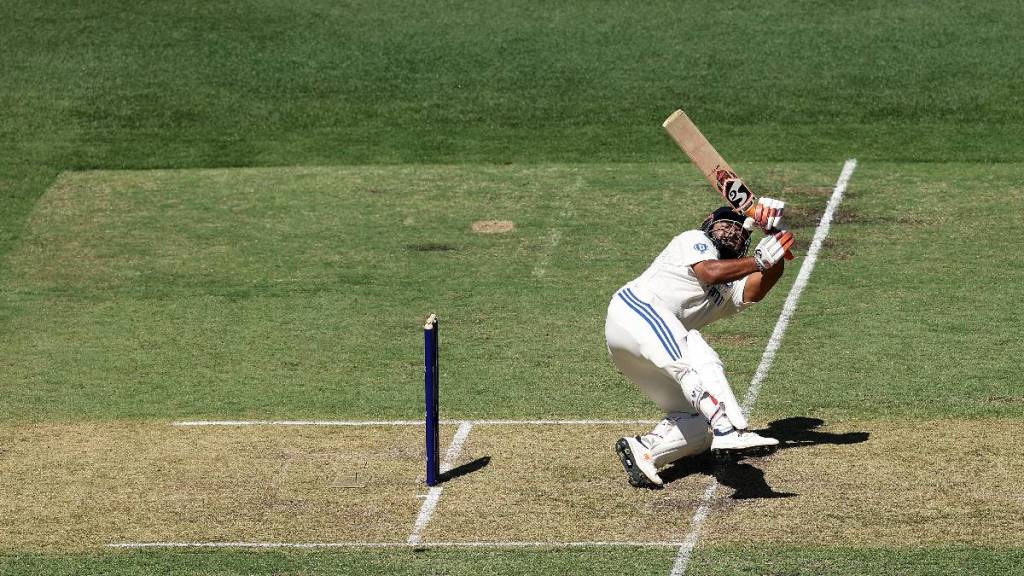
(642, 314)
(657, 318)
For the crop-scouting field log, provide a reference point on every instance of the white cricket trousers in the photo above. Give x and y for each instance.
(647, 343)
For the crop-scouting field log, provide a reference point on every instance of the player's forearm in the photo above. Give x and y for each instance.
(722, 271)
(761, 283)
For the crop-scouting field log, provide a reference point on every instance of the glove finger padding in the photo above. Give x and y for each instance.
(786, 239)
(771, 249)
(777, 210)
(768, 213)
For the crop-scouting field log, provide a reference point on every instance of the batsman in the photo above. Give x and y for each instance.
(653, 335)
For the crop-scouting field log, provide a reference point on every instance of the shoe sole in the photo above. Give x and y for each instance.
(636, 477)
(728, 454)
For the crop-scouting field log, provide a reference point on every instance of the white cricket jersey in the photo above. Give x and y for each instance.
(670, 282)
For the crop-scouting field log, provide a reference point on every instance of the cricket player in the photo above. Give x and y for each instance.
(652, 332)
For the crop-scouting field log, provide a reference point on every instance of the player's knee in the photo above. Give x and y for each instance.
(692, 386)
(701, 352)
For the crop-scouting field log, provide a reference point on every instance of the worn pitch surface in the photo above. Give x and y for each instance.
(868, 483)
(81, 486)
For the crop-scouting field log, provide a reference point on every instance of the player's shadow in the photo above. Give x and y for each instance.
(747, 480)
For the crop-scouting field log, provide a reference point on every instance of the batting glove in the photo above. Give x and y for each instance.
(772, 248)
(768, 213)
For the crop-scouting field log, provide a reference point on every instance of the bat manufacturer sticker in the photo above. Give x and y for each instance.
(733, 189)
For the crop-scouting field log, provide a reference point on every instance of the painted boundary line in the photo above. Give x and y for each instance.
(468, 544)
(682, 561)
(200, 423)
(427, 509)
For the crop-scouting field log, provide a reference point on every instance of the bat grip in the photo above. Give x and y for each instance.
(749, 225)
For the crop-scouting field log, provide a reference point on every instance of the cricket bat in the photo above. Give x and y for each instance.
(711, 164)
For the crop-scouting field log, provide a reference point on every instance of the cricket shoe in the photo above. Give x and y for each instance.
(742, 441)
(638, 462)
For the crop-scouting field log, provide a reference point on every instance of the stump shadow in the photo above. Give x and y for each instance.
(467, 468)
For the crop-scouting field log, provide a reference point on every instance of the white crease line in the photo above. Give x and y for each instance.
(198, 423)
(798, 285)
(191, 423)
(427, 509)
(426, 513)
(560, 422)
(686, 550)
(455, 448)
(471, 544)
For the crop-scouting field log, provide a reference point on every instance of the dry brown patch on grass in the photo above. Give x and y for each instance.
(86, 485)
(558, 483)
(493, 226)
(910, 483)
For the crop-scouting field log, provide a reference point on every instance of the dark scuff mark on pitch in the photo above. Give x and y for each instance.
(431, 247)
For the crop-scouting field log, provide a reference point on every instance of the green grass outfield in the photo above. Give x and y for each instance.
(714, 561)
(244, 209)
(295, 293)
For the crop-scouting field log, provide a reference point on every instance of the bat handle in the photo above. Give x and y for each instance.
(748, 224)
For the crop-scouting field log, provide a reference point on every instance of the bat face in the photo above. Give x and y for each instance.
(711, 164)
(708, 161)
